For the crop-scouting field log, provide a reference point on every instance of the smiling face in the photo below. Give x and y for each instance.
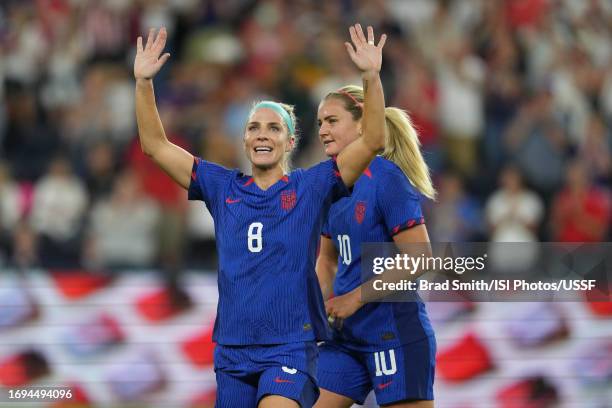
(266, 139)
(337, 127)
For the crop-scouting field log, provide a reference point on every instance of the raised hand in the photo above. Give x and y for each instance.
(148, 61)
(365, 54)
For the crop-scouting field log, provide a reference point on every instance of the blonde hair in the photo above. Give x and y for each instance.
(402, 145)
(286, 162)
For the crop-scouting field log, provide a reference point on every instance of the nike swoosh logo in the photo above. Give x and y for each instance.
(281, 381)
(384, 385)
(230, 201)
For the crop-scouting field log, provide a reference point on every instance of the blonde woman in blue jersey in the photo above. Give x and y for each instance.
(270, 312)
(385, 347)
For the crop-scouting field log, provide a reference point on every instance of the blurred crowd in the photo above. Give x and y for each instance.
(512, 100)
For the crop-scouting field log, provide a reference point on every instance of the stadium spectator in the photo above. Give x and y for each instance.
(595, 150)
(58, 212)
(419, 95)
(456, 215)
(123, 229)
(580, 211)
(28, 142)
(100, 169)
(461, 76)
(513, 212)
(536, 142)
(168, 196)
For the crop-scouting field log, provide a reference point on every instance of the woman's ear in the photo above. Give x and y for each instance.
(291, 144)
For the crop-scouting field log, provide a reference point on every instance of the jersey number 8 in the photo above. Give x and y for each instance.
(254, 239)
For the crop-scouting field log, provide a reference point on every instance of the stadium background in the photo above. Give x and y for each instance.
(500, 91)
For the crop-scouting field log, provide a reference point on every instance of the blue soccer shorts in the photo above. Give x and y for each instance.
(246, 374)
(399, 374)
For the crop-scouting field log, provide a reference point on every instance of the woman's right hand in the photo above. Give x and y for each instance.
(148, 61)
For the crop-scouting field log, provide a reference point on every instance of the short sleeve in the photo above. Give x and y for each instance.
(399, 203)
(325, 178)
(325, 231)
(207, 181)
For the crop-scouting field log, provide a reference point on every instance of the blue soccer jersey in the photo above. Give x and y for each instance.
(267, 243)
(382, 204)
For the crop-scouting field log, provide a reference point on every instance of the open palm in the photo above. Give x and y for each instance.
(366, 55)
(148, 61)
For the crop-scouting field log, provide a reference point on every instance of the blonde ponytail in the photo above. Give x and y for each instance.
(402, 147)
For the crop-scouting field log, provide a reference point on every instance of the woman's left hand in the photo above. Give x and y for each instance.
(341, 307)
(365, 54)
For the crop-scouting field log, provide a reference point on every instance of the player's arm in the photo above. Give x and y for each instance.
(327, 265)
(415, 243)
(367, 56)
(174, 160)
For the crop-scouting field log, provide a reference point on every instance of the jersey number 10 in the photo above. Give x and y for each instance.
(344, 245)
(381, 363)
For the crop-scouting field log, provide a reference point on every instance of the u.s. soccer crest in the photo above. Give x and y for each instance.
(288, 199)
(360, 209)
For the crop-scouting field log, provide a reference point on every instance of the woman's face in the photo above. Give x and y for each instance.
(337, 128)
(266, 140)
(511, 179)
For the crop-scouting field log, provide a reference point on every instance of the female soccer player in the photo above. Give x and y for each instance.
(267, 225)
(388, 347)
